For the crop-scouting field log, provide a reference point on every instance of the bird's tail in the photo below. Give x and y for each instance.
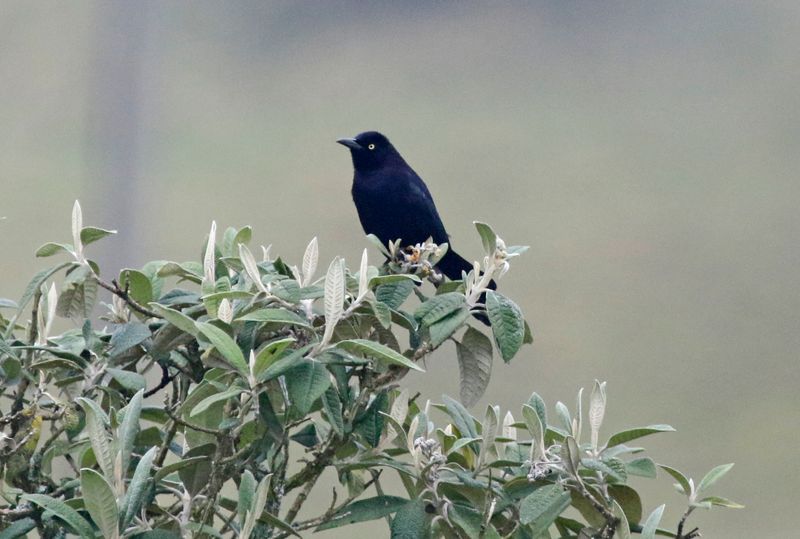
(453, 265)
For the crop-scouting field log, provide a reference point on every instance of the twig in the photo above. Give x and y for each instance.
(611, 520)
(301, 498)
(16, 513)
(193, 426)
(691, 534)
(115, 289)
(165, 380)
(332, 510)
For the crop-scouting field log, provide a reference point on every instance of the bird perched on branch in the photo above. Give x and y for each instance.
(393, 202)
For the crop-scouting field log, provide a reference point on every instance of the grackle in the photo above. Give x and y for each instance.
(393, 202)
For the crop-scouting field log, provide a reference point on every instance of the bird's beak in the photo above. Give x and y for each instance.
(350, 143)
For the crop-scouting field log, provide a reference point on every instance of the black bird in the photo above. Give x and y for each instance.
(393, 202)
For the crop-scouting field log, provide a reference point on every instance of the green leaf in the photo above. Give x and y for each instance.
(38, 280)
(10, 368)
(471, 521)
(378, 352)
(127, 336)
(90, 234)
(310, 260)
(268, 418)
(443, 329)
(373, 239)
(633, 434)
(683, 482)
(395, 293)
(280, 316)
(571, 455)
(247, 493)
(244, 235)
(597, 410)
(364, 510)
(63, 511)
(380, 280)
(540, 509)
(474, 365)
(288, 290)
(96, 421)
(138, 285)
(257, 508)
(225, 345)
(721, 502)
(6, 349)
(189, 271)
(488, 238)
(383, 313)
(508, 325)
(462, 419)
(306, 436)
(370, 423)
(130, 428)
(651, 524)
(713, 476)
(195, 478)
(643, 467)
(274, 522)
(461, 443)
(6, 303)
(623, 528)
(50, 249)
(132, 381)
(269, 353)
(18, 528)
(606, 468)
(333, 410)
(439, 307)
(134, 497)
(209, 401)
(591, 515)
(537, 403)
(534, 425)
(100, 502)
(176, 318)
(151, 271)
(528, 338)
(230, 295)
(334, 297)
(54, 363)
(411, 521)
(175, 466)
(629, 500)
(306, 383)
(78, 294)
(284, 364)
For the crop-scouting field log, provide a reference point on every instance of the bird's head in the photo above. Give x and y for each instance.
(370, 150)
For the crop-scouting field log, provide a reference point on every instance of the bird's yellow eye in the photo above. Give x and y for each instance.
(371, 146)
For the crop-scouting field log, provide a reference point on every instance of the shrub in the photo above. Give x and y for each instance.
(268, 377)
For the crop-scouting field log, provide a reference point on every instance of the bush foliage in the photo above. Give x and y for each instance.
(212, 395)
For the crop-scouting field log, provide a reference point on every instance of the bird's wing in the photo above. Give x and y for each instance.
(425, 215)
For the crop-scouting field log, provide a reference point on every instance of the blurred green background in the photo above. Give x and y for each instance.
(647, 152)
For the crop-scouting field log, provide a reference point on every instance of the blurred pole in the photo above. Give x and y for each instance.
(113, 128)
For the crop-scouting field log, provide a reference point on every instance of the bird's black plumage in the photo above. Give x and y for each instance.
(393, 202)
